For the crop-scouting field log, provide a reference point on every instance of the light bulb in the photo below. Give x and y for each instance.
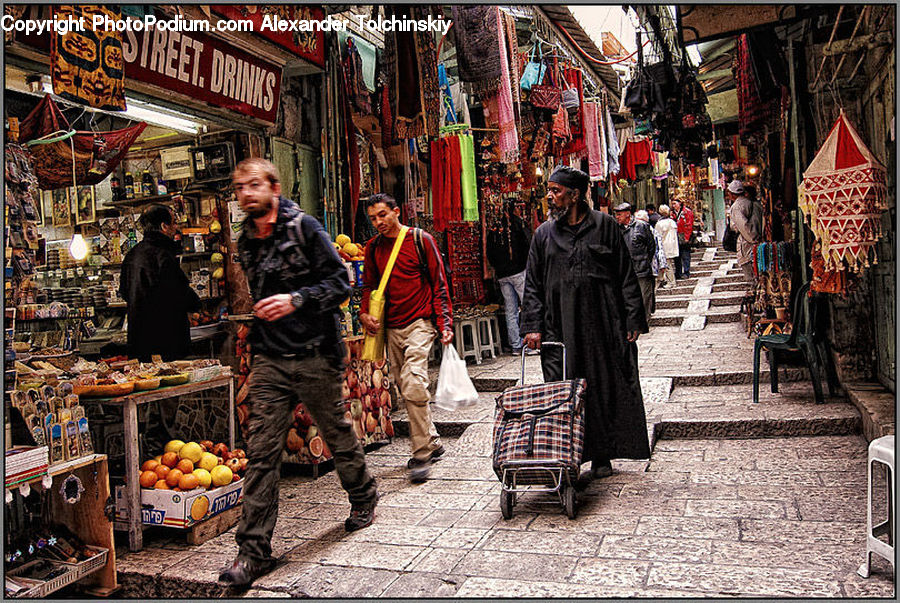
(538, 171)
(78, 247)
(752, 170)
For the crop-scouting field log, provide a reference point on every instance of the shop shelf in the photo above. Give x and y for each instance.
(74, 572)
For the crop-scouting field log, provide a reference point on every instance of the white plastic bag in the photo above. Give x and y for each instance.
(455, 389)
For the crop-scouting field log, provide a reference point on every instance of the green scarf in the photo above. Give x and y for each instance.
(469, 187)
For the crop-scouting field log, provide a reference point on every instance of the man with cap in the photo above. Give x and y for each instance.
(581, 289)
(642, 247)
(746, 218)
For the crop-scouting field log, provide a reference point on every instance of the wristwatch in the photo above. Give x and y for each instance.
(296, 300)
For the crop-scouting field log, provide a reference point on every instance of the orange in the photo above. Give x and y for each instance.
(150, 465)
(173, 477)
(162, 471)
(185, 466)
(170, 459)
(148, 478)
(188, 481)
(161, 485)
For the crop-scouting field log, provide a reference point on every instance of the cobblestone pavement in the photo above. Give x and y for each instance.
(738, 499)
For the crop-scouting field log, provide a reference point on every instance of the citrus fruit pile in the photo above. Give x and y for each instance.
(190, 466)
(348, 250)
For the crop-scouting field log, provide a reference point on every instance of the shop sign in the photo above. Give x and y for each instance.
(197, 65)
(309, 45)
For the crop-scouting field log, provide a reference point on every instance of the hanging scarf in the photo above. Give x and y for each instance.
(512, 50)
(561, 126)
(477, 40)
(577, 147)
(469, 186)
(592, 142)
(88, 67)
(612, 142)
(509, 137)
(353, 75)
(448, 114)
(411, 59)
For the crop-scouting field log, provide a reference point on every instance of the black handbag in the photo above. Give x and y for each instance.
(729, 239)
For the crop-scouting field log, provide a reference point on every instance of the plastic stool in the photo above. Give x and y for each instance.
(881, 450)
(486, 335)
(495, 333)
(465, 351)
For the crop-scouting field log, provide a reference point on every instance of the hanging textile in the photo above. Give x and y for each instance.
(353, 77)
(367, 55)
(349, 148)
(824, 280)
(612, 142)
(512, 53)
(477, 41)
(509, 137)
(96, 153)
(446, 181)
(411, 67)
(88, 67)
(601, 137)
(635, 154)
(469, 186)
(577, 147)
(461, 103)
(448, 113)
(561, 129)
(843, 195)
(592, 142)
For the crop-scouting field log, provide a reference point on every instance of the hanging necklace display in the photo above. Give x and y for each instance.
(71, 489)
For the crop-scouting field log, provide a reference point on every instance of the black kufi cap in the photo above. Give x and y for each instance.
(570, 177)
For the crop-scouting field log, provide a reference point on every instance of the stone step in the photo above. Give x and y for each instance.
(674, 317)
(735, 285)
(744, 377)
(682, 301)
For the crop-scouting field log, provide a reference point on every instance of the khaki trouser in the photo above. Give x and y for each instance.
(408, 350)
(276, 385)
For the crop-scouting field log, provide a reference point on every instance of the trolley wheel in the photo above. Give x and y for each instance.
(569, 504)
(507, 500)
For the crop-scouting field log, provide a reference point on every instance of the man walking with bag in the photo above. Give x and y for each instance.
(298, 283)
(746, 218)
(417, 310)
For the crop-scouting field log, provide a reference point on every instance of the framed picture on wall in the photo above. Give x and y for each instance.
(85, 205)
(61, 207)
(46, 208)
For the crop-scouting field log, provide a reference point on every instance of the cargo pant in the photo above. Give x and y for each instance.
(408, 349)
(276, 385)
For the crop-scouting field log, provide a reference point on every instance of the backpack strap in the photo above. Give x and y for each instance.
(420, 250)
(295, 229)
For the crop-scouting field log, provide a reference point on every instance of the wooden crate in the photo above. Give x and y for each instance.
(212, 527)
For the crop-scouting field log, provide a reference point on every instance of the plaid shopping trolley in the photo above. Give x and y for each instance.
(539, 439)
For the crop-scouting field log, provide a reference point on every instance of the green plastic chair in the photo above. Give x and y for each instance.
(802, 339)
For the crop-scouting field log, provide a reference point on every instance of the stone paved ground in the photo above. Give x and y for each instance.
(738, 499)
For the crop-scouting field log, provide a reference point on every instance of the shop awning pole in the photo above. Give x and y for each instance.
(795, 140)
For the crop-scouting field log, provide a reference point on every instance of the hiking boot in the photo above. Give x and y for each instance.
(419, 470)
(599, 470)
(243, 573)
(361, 516)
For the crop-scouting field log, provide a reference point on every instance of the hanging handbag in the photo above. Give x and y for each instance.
(570, 97)
(535, 70)
(545, 96)
(635, 96)
(729, 239)
(373, 347)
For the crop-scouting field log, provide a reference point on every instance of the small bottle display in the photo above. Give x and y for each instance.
(116, 186)
(161, 188)
(129, 185)
(148, 185)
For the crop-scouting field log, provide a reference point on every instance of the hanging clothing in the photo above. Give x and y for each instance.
(446, 181)
(477, 43)
(509, 137)
(88, 68)
(469, 185)
(596, 163)
(353, 77)
(512, 53)
(612, 142)
(635, 154)
(601, 136)
(572, 78)
(461, 103)
(448, 113)
(367, 55)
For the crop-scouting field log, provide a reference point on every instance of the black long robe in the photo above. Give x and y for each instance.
(581, 289)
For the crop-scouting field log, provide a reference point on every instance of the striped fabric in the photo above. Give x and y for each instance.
(541, 423)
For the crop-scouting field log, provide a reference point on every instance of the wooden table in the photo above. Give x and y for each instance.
(129, 404)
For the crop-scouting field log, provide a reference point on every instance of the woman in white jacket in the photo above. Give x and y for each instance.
(667, 230)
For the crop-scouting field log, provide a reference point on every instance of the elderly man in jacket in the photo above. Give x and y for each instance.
(642, 247)
(745, 217)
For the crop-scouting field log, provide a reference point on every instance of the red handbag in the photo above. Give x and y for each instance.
(546, 96)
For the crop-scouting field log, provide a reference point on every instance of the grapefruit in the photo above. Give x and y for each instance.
(170, 459)
(148, 479)
(173, 477)
(342, 240)
(191, 451)
(203, 477)
(185, 466)
(208, 461)
(174, 446)
(221, 475)
(350, 249)
(316, 446)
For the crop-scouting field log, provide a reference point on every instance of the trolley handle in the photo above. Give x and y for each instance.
(543, 343)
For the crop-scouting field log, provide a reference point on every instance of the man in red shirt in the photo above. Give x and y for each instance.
(684, 218)
(417, 309)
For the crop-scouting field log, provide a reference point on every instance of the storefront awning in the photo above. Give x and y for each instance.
(700, 22)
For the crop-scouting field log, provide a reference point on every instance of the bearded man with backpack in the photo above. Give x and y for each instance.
(417, 311)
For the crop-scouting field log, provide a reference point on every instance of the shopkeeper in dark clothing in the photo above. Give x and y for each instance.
(298, 282)
(158, 293)
(580, 289)
(507, 251)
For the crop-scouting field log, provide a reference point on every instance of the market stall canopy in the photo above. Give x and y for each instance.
(843, 195)
(701, 22)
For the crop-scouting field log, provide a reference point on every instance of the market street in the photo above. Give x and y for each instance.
(737, 499)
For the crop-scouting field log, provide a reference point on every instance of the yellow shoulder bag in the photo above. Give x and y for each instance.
(373, 347)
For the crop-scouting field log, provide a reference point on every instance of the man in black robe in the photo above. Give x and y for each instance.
(581, 289)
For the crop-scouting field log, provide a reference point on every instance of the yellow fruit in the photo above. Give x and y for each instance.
(174, 446)
(199, 508)
(218, 273)
(221, 475)
(191, 451)
(215, 227)
(217, 258)
(350, 249)
(203, 477)
(342, 240)
(208, 461)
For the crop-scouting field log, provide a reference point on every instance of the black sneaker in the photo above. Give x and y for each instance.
(243, 573)
(418, 470)
(599, 470)
(435, 455)
(361, 516)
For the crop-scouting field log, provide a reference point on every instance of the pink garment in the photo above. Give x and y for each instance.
(509, 137)
(592, 140)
